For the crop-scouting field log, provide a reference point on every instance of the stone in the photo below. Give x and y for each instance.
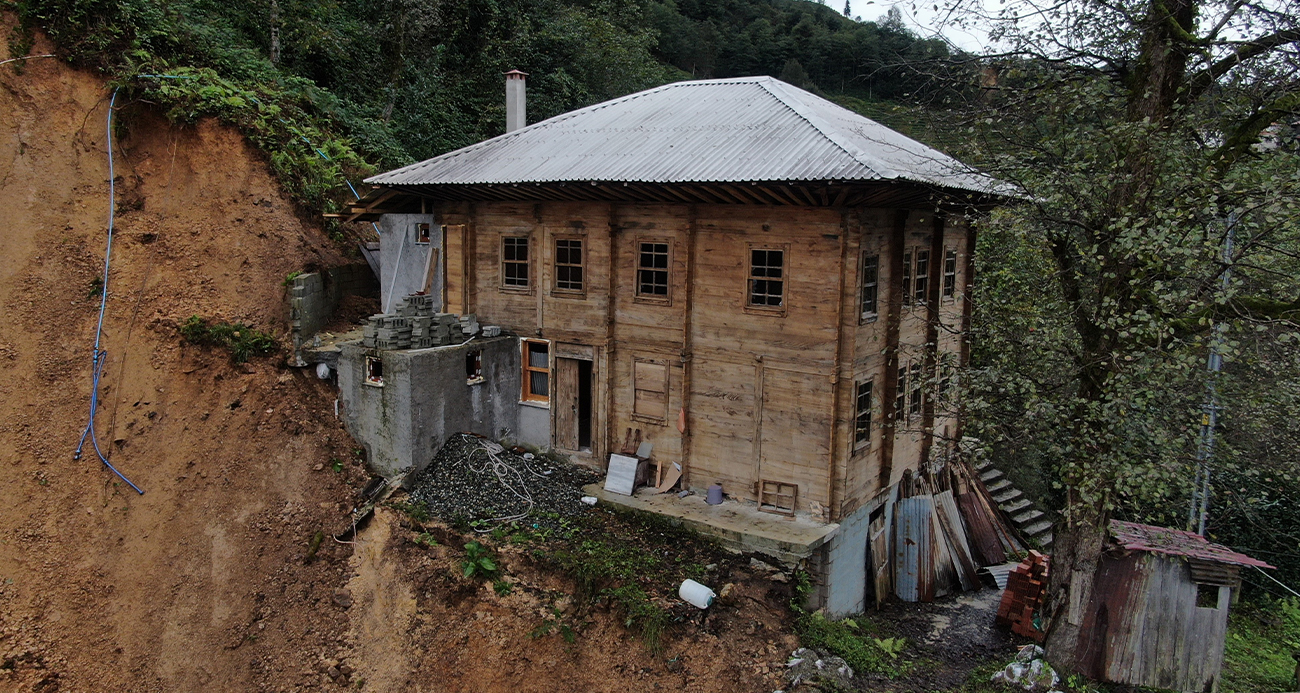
(343, 598)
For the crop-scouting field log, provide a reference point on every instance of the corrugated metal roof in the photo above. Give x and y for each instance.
(709, 131)
(1176, 542)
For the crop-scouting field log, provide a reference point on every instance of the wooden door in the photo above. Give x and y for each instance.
(564, 404)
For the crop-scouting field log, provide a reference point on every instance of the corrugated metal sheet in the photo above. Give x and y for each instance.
(982, 532)
(1176, 542)
(913, 549)
(725, 130)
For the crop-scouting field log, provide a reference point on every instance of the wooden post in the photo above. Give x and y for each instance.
(968, 286)
(687, 355)
(837, 368)
(933, 292)
(610, 346)
(893, 321)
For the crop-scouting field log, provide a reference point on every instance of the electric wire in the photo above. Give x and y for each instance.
(99, 355)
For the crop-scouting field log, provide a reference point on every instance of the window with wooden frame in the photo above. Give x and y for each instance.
(943, 383)
(862, 415)
(917, 396)
(766, 286)
(654, 259)
(537, 371)
(374, 371)
(921, 277)
(900, 394)
(474, 366)
(423, 233)
(870, 286)
(777, 497)
(650, 390)
(569, 265)
(514, 263)
(949, 273)
(906, 291)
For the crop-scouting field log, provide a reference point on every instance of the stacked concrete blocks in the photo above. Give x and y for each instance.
(416, 326)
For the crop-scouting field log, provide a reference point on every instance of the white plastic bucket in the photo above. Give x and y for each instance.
(695, 594)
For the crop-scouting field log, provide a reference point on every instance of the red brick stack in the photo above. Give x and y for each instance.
(1026, 586)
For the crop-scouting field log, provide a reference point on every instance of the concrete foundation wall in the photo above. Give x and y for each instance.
(402, 260)
(534, 425)
(841, 569)
(314, 296)
(425, 398)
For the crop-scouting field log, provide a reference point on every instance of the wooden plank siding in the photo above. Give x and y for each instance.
(767, 393)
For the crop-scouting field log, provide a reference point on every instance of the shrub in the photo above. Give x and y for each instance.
(242, 340)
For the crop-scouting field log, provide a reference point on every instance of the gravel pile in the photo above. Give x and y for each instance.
(475, 479)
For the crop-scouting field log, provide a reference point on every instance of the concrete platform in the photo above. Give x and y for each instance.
(737, 526)
(324, 346)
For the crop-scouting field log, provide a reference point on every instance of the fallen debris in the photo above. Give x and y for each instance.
(477, 481)
(1029, 672)
(815, 670)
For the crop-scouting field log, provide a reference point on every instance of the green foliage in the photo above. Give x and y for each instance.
(385, 84)
(502, 588)
(426, 539)
(96, 288)
(640, 615)
(416, 511)
(1262, 637)
(288, 279)
(336, 465)
(478, 562)
(242, 340)
(863, 652)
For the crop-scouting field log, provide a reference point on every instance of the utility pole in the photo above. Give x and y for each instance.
(1200, 505)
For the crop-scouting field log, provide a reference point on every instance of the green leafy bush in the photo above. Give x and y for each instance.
(478, 561)
(242, 340)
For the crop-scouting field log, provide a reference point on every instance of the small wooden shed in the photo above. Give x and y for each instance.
(1159, 610)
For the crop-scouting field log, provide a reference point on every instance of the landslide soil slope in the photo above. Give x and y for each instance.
(203, 582)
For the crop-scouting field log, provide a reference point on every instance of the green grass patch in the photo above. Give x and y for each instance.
(845, 638)
(1261, 639)
(243, 341)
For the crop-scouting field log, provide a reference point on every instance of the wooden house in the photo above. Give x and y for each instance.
(772, 289)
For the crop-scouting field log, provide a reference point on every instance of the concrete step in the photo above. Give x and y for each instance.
(997, 486)
(988, 476)
(1045, 540)
(1007, 496)
(983, 464)
(1026, 517)
(1016, 506)
(1038, 528)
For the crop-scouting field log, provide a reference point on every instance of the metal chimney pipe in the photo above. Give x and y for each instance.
(516, 110)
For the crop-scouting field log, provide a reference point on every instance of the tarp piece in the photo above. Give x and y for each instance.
(914, 549)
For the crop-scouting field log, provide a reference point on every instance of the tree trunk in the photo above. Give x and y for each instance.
(275, 32)
(1075, 559)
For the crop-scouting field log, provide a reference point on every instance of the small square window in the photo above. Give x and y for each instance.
(514, 262)
(652, 271)
(766, 278)
(1207, 596)
(423, 232)
(474, 366)
(374, 371)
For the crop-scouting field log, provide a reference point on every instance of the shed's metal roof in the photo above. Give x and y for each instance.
(710, 131)
(1176, 542)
